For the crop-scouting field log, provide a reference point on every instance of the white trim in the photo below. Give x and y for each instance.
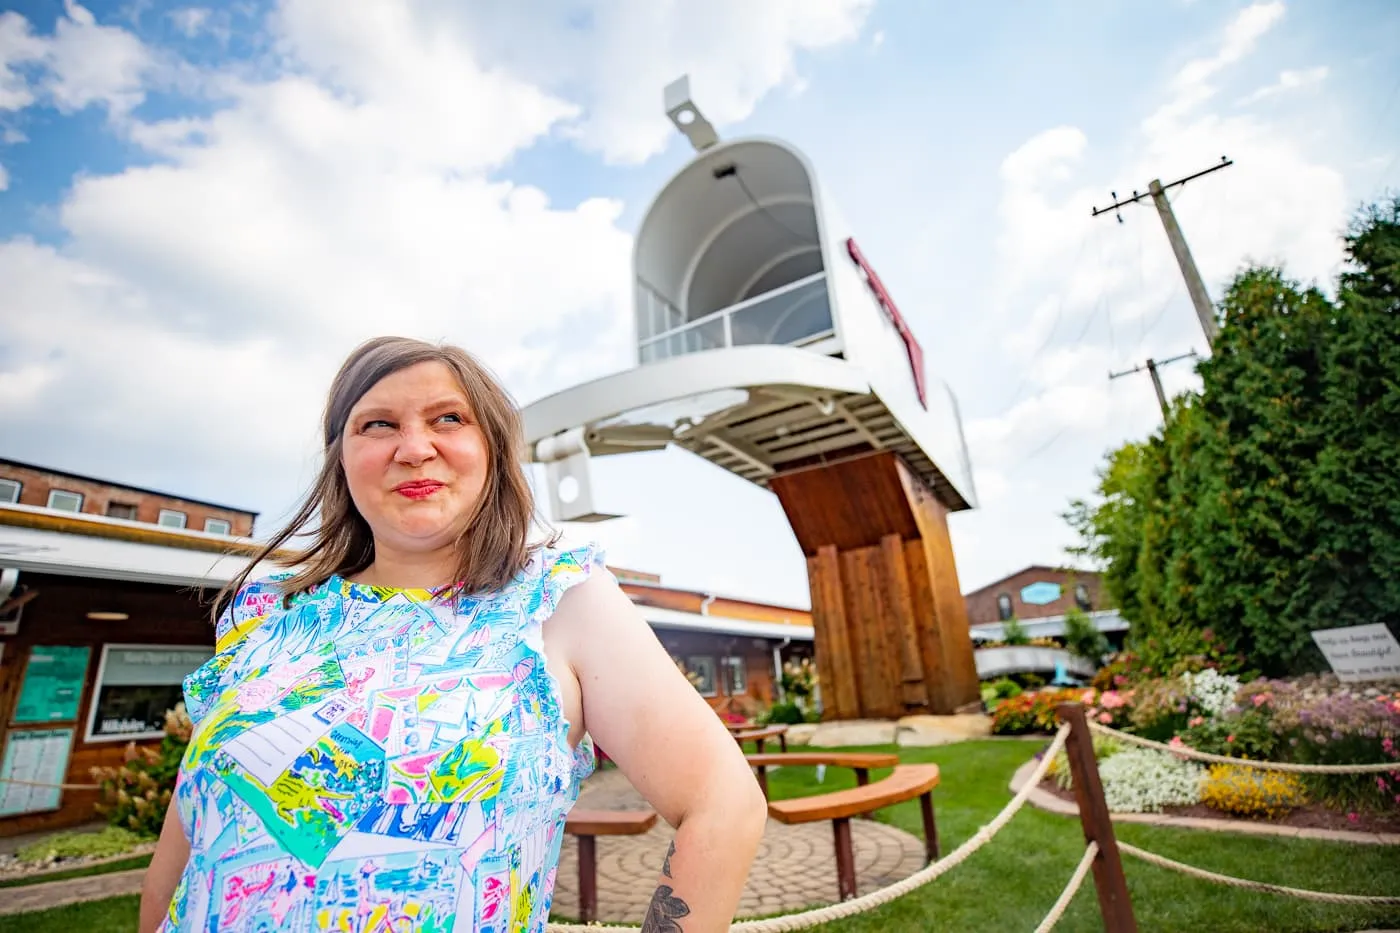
(88, 735)
(184, 519)
(228, 526)
(65, 492)
(19, 489)
(1105, 620)
(723, 625)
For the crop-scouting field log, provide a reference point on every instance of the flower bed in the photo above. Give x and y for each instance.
(1309, 720)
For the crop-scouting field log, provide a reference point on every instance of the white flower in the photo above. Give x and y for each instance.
(1214, 691)
(1141, 780)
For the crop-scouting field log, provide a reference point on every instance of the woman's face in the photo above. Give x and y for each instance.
(415, 459)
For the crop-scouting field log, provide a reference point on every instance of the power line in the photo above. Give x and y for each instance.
(1152, 366)
(1195, 286)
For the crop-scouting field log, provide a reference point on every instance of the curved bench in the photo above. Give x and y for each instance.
(860, 762)
(905, 783)
(759, 736)
(588, 825)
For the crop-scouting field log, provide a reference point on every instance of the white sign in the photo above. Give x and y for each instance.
(1360, 652)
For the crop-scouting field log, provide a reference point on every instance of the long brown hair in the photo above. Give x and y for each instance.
(494, 546)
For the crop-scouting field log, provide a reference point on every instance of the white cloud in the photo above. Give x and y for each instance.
(4, 178)
(1290, 80)
(18, 47)
(81, 64)
(615, 58)
(190, 20)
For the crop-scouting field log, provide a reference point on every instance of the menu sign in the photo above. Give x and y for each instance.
(38, 757)
(53, 684)
(1360, 652)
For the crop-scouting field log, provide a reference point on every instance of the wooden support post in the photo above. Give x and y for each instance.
(1109, 881)
(845, 858)
(587, 879)
(930, 827)
(763, 780)
(862, 779)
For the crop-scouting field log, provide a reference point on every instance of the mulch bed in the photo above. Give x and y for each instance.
(1312, 816)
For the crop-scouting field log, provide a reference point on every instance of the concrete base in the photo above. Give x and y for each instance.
(911, 731)
(917, 731)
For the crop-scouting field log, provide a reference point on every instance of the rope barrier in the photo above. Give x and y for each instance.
(1190, 870)
(46, 784)
(810, 918)
(1184, 751)
(1075, 880)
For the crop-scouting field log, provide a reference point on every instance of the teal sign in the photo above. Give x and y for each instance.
(53, 684)
(1040, 594)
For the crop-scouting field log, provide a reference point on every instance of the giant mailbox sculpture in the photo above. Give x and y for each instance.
(767, 344)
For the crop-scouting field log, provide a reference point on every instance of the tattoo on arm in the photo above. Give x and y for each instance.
(665, 908)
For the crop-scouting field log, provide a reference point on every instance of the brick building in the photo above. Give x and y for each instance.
(1037, 592)
(26, 484)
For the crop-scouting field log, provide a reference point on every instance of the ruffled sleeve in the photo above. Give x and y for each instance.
(244, 613)
(559, 568)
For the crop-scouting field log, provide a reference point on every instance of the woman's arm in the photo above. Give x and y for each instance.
(163, 876)
(675, 751)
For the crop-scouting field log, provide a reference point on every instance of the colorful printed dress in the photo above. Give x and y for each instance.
(376, 759)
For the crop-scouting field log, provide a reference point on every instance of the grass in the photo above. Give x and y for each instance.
(1011, 883)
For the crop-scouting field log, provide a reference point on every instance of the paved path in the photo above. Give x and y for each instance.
(795, 867)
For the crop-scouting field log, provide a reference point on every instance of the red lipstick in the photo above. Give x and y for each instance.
(418, 488)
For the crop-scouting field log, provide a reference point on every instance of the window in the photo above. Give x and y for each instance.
(735, 679)
(136, 684)
(1081, 597)
(10, 490)
(171, 518)
(702, 669)
(65, 501)
(121, 510)
(1004, 608)
(217, 526)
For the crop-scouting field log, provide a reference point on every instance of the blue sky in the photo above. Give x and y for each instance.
(202, 208)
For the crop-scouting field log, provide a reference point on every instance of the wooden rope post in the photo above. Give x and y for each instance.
(845, 858)
(1109, 881)
(587, 879)
(930, 827)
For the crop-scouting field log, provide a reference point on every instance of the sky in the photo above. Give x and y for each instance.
(203, 209)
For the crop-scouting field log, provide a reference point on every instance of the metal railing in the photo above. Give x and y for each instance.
(795, 314)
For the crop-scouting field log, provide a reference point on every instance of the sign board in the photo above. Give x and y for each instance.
(1040, 593)
(38, 755)
(53, 683)
(1360, 652)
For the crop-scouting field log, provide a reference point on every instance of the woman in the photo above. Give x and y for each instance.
(389, 738)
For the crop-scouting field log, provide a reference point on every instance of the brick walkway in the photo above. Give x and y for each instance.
(795, 867)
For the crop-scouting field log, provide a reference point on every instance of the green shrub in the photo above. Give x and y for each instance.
(783, 714)
(1082, 637)
(1013, 632)
(111, 840)
(135, 796)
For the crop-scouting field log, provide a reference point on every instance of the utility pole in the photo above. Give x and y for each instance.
(1205, 312)
(1152, 366)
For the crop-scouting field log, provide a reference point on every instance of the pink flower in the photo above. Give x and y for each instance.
(1105, 718)
(1260, 699)
(1113, 700)
(1088, 698)
(1196, 721)
(1176, 742)
(1353, 817)
(1229, 738)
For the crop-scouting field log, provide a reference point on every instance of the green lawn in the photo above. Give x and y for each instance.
(1011, 883)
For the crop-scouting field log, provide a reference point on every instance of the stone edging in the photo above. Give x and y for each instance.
(1045, 800)
(144, 848)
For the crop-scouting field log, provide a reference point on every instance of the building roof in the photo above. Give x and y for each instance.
(116, 485)
(1105, 620)
(1042, 568)
(36, 540)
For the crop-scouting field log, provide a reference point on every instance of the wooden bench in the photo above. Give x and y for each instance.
(905, 783)
(860, 762)
(588, 825)
(759, 736)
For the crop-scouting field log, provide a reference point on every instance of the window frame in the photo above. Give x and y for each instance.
(184, 519)
(1007, 609)
(19, 490)
(135, 510)
(65, 492)
(228, 526)
(709, 659)
(94, 701)
(729, 664)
